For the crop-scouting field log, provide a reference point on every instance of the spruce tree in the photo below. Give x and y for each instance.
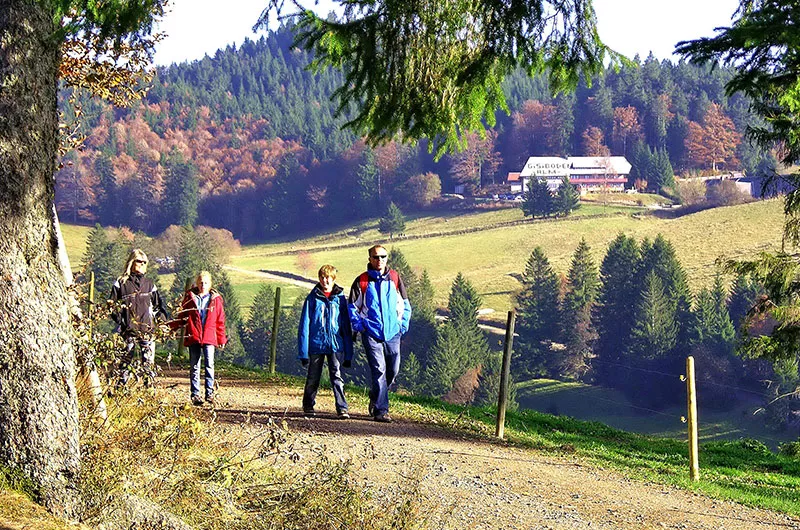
(614, 313)
(567, 198)
(393, 221)
(460, 344)
(538, 316)
(538, 201)
(576, 313)
(489, 383)
(655, 333)
(411, 373)
(446, 360)
(181, 191)
(712, 326)
(659, 257)
(104, 257)
(744, 292)
(257, 330)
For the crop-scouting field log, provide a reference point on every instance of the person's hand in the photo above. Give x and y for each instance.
(347, 364)
(304, 362)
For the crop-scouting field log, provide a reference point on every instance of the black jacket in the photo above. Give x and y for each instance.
(141, 304)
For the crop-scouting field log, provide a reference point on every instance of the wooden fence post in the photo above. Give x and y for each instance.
(502, 400)
(691, 398)
(95, 386)
(187, 284)
(273, 340)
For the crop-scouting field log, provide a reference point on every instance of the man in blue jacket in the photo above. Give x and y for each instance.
(324, 333)
(380, 311)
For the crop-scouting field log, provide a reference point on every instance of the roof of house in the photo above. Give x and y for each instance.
(599, 164)
(513, 176)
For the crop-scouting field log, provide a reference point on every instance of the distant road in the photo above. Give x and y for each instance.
(293, 279)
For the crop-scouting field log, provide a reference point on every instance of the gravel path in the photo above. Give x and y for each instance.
(478, 484)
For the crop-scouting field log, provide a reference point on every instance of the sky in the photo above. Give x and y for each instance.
(196, 28)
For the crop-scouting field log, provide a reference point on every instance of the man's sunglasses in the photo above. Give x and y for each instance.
(380, 256)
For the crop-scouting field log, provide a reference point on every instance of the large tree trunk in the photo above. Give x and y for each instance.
(38, 403)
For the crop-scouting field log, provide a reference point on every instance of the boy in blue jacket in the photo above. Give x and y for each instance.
(324, 333)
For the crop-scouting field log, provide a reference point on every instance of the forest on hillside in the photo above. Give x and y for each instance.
(249, 141)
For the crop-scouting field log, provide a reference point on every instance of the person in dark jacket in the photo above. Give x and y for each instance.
(380, 311)
(140, 307)
(324, 334)
(203, 315)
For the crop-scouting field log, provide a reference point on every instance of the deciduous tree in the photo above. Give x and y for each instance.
(38, 409)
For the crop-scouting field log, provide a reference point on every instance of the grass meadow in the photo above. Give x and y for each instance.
(493, 259)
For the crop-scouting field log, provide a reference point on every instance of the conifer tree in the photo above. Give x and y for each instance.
(538, 316)
(567, 198)
(460, 344)
(257, 330)
(614, 314)
(712, 325)
(393, 221)
(446, 360)
(463, 305)
(181, 191)
(411, 373)
(489, 383)
(655, 333)
(744, 292)
(538, 201)
(576, 313)
(104, 257)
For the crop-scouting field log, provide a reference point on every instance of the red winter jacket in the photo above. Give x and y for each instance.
(213, 332)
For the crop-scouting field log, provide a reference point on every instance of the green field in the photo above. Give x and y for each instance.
(612, 408)
(493, 258)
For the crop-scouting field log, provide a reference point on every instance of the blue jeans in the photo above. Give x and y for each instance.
(315, 363)
(206, 351)
(384, 364)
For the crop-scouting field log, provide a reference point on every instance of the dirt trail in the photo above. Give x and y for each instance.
(491, 484)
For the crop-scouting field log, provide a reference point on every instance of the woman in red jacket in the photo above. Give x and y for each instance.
(203, 314)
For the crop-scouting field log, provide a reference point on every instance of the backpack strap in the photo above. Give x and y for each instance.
(395, 279)
(363, 282)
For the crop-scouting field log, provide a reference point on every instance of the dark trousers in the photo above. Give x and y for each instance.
(384, 365)
(315, 363)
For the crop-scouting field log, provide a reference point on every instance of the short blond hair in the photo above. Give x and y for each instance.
(202, 274)
(327, 271)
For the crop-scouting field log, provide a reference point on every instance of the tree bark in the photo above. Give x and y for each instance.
(38, 402)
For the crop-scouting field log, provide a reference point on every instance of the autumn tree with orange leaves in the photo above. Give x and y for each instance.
(627, 128)
(478, 160)
(593, 144)
(714, 141)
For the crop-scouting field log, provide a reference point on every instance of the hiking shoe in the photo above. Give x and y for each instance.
(371, 408)
(210, 400)
(197, 401)
(383, 418)
(309, 412)
(343, 415)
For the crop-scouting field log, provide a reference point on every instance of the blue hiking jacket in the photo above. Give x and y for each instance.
(383, 310)
(324, 325)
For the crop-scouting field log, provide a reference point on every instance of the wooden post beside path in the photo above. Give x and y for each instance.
(505, 375)
(691, 398)
(273, 340)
